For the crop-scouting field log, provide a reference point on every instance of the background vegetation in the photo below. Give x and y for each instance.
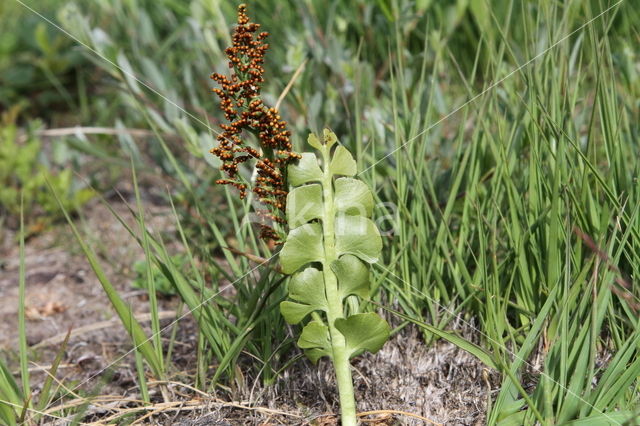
(500, 137)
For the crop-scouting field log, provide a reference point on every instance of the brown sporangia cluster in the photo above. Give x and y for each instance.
(244, 109)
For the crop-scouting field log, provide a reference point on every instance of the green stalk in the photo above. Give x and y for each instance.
(22, 331)
(335, 308)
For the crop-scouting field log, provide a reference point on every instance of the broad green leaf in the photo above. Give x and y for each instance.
(359, 236)
(314, 142)
(314, 335)
(353, 197)
(304, 204)
(308, 287)
(315, 354)
(329, 138)
(294, 312)
(356, 241)
(363, 332)
(353, 276)
(303, 245)
(342, 162)
(306, 170)
(315, 340)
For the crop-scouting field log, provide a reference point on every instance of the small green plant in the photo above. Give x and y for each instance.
(163, 285)
(331, 237)
(21, 171)
(330, 242)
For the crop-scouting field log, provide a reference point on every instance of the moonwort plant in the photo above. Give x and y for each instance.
(330, 241)
(330, 238)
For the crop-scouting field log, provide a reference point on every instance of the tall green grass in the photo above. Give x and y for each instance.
(546, 156)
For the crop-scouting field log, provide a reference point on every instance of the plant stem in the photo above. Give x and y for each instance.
(336, 310)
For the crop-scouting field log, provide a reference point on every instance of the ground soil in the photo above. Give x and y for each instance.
(439, 381)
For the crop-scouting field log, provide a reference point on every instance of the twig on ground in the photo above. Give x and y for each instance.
(402, 413)
(58, 338)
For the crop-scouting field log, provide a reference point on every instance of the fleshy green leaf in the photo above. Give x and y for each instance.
(353, 197)
(363, 332)
(303, 245)
(315, 354)
(305, 171)
(314, 335)
(329, 137)
(315, 339)
(314, 142)
(294, 312)
(356, 241)
(342, 162)
(308, 287)
(353, 276)
(359, 236)
(304, 204)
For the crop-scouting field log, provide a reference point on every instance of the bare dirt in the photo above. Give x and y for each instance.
(439, 382)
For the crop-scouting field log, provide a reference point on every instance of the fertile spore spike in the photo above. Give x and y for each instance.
(242, 107)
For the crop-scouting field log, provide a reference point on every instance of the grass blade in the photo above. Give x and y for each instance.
(133, 327)
(22, 332)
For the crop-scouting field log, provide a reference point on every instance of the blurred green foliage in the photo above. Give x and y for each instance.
(162, 285)
(24, 173)
(38, 63)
